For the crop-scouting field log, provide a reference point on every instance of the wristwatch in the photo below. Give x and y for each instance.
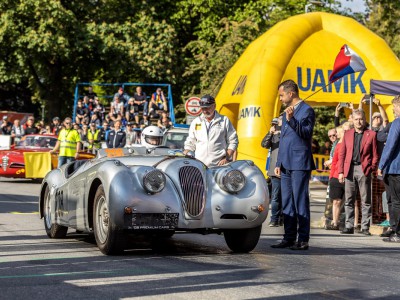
(227, 158)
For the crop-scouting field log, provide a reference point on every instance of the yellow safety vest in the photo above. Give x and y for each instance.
(91, 136)
(68, 140)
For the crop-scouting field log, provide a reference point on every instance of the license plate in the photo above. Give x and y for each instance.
(155, 221)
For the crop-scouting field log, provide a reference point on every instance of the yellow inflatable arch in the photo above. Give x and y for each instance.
(302, 48)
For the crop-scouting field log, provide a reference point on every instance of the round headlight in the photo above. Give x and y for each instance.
(234, 181)
(154, 181)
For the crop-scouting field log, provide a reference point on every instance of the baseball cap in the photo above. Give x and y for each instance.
(274, 121)
(206, 101)
(376, 114)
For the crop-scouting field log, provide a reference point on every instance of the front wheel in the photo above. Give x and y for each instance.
(53, 231)
(109, 239)
(242, 240)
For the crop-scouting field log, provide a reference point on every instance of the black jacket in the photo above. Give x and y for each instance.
(116, 139)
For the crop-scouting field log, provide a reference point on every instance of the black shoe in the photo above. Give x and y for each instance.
(365, 232)
(273, 224)
(300, 246)
(347, 231)
(387, 233)
(283, 244)
(394, 238)
(332, 227)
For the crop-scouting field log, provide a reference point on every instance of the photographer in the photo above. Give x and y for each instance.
(271, 142)
(338, 108)
(379, 119)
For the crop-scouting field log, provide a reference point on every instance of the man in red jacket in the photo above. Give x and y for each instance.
(358, 158)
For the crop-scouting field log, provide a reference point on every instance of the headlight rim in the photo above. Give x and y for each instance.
(227, 185)
(146, 181)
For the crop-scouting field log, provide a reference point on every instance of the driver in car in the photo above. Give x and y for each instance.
(152, 136)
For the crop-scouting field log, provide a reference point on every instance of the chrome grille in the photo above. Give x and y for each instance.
(4, 162)
(192, 186)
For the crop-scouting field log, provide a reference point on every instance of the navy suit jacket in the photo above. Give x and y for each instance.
(390, 160)
(296, 137)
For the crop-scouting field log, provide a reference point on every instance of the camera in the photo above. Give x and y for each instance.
(344, 104)
(367, 98)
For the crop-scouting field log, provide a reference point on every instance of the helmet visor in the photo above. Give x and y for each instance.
(153, 140)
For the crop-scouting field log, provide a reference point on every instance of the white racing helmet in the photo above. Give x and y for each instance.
(152, 136)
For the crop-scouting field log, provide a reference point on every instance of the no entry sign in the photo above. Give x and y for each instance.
(192, 106)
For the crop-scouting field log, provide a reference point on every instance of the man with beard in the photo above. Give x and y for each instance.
(294, 165)
(389, 166)
(211, 136)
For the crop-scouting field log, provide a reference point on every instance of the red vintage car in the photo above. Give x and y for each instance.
(12, 160)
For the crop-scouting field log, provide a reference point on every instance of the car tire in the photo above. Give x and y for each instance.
(242, 240)
(53, 231)
(165, 234)
(109, 239)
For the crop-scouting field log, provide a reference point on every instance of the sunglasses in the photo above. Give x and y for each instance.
(332, 135)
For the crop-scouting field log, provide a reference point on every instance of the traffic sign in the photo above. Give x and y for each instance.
(192, 106)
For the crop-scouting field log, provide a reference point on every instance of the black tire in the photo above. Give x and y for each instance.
(165, 234)
(53, 231)
(109, 239)
(242, 240)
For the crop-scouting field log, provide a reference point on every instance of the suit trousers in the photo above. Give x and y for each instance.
(296, 204)
(394, 186)
(389, 202)
(356, 179)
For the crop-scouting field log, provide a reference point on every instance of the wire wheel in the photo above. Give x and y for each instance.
(109, 238)
(102, 219)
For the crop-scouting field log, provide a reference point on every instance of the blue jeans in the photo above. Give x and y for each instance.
(146, 108)
(276, 199)
(62, 160)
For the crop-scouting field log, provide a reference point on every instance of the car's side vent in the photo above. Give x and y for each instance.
(234, 217)
(192, 186)
(17, 165)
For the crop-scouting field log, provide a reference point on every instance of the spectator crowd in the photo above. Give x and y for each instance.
(94, 121)
(358, 152)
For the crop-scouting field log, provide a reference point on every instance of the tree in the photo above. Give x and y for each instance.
(384, 20)
(52, 44)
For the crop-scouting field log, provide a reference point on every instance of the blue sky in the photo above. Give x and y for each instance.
(355, 5)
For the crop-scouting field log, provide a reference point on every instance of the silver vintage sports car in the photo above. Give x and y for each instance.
(154, 192)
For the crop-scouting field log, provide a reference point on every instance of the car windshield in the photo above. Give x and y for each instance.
(175, 140)
(37, 142)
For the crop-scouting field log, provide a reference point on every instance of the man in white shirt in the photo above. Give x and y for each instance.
(211, 136)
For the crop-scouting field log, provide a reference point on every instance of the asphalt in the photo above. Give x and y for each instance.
(317, 202)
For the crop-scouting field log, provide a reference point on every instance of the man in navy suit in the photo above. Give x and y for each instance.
(294, 165)
(390, 166)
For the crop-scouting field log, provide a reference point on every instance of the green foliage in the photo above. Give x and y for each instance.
(384, 20)
(211, 61)
(324, 120)
(49, 45)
